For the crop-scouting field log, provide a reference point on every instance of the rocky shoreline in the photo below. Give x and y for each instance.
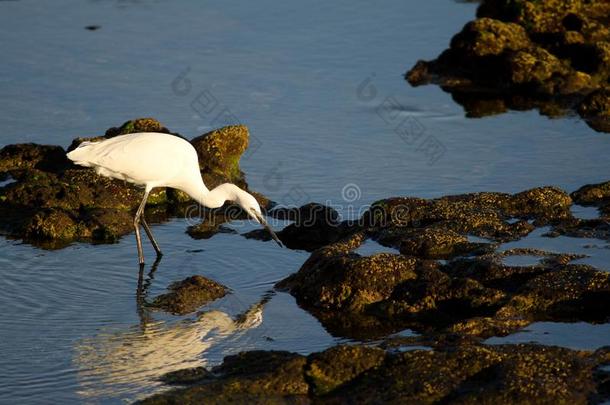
(454, 292)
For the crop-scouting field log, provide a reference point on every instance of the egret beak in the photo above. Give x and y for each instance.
(264, 223)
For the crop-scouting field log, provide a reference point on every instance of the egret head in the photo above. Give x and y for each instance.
(248, 203)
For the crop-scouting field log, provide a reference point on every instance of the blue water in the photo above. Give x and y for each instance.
(319, 85)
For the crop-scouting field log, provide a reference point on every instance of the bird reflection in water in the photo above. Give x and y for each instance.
(133, 360)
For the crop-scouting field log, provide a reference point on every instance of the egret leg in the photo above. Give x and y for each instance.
(136, 225)
(151, 237)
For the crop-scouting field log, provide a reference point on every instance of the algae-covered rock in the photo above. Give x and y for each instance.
(219, 151)
(553, 56)
(459, 373)
(474, 293)
(477, 374)
(54, 200)
(336, 279)
(592, 194)
(340, 364)
(486, 36)
(187, 376)
(32, 156)
(188, 295)
(247, 378)
(435, 243)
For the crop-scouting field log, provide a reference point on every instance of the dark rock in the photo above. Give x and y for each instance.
(315, 225)
(188, 376)
(592, 194)
(189, 295)
(336, 279)
(522, 54)
(595, 108)
(48, 158)
(249, 377)
(54, 202)
(338, 365)
(475, 293)
(460, 373)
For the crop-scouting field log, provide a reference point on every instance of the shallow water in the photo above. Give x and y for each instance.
(313, 83)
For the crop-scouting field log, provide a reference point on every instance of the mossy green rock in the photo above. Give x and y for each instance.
(219, 151)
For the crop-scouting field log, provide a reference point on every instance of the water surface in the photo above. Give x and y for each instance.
(319, 85)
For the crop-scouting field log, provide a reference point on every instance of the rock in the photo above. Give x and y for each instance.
(486, 36)
(249, 377)
(535, 67)
(523, 54)
(335, 279)
(592, 194)
(315, 225)
(434, 243)
(459, 373)
(54, 200)
(595, 108)
(476, 374)
(26, 156)
(474, 293)
(338, 365)
(189, 295)
(188, 376)
(219, 152)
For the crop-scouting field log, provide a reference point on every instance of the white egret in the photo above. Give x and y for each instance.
(152, 160)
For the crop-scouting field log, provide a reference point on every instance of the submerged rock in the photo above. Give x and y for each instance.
(464, 373)
(523, 54)
(54, 202)
(188, 295)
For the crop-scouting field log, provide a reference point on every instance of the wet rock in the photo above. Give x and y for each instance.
(592, 194)
(595, 108)
(48, 158)
(477, 294)
(338, 365)
(336, 279)
(459, 373)
(315, 225)
(249, 377)
(475, 374)
(188, 295)
(553, 56)
(54, 200)
(583, 228)
(434, 243)
(188, 376)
